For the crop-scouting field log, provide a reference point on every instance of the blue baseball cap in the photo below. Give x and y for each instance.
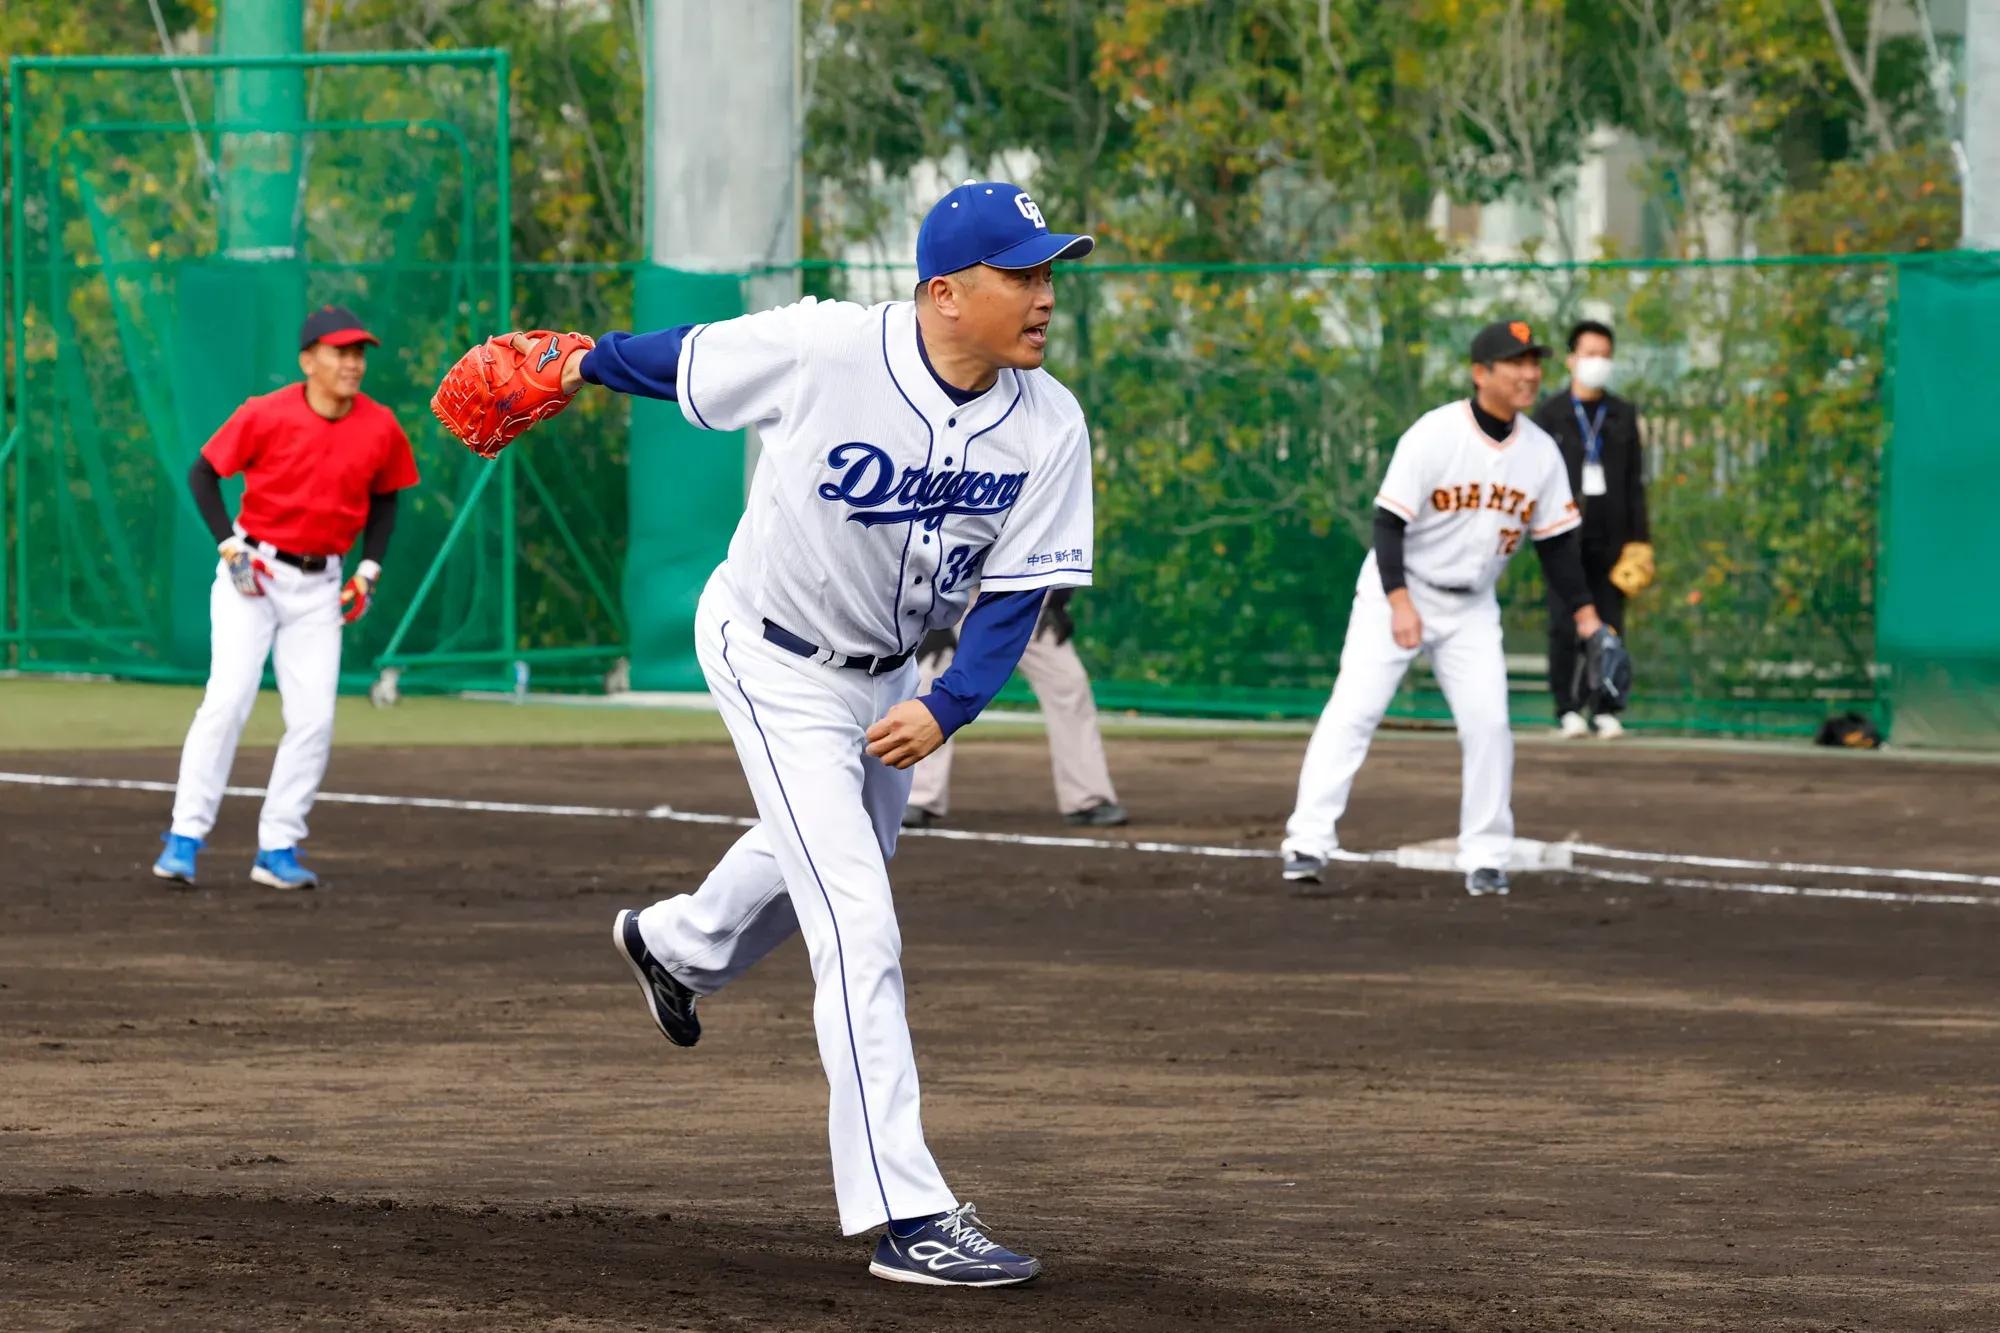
(993, 223)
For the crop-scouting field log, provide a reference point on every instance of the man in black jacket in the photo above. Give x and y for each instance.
(1598, 433)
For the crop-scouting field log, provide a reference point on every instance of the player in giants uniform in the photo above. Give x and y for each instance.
(321, 461)
(911, 451)
(1465, 485)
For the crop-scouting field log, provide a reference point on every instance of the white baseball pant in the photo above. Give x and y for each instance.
(1076, 751)
(816, 862)
(297, 624)
(1462, 636)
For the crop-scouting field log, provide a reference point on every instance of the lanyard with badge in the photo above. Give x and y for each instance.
(1593, 447)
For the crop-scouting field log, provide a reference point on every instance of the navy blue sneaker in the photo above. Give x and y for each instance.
(176, 863)
(280, 869)
(951, 1250)
(671, 1004)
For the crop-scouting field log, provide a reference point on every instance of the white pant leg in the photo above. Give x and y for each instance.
(1076, 750)
(930, 783)
(799, 732)
(1371, 667)
(740, 913)
(305, 653)
(1471, 668)
(743, 911)
(239, 638)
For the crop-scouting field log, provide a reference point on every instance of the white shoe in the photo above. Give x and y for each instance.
(1573, 727)
(1609, 728)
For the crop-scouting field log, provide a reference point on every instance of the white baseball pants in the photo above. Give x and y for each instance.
(1076, 751)
(816, 862)
(1462, 636)
(296, 623)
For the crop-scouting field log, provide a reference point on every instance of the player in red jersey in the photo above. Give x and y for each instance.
(321, 463)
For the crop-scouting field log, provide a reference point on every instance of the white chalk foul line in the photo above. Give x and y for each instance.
(1786, 867)
(669, 814)
(1786, 890)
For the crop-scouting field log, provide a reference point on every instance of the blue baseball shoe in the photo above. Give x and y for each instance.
(280, 869)
(671, 1003)
(176, 863)
(951, 1250)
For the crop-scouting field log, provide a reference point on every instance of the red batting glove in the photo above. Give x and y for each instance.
(355, 595)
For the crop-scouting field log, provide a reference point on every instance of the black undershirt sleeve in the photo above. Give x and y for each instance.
(381, 522)
(206, 484)
(1389, 527)
(1562, 566)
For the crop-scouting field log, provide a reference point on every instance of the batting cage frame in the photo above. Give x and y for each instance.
(385, 180)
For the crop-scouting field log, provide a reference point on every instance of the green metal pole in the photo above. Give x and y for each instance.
(510, 627)
(17, 156)
(465, 511)
(472, 55)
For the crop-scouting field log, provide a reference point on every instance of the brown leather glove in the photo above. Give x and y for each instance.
(1633, 573)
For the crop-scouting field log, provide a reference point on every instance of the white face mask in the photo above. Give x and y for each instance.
(1593, 372)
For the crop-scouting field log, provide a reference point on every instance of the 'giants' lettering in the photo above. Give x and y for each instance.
(1473, 495)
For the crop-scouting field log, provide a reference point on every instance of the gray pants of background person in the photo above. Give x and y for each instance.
(1076, 752)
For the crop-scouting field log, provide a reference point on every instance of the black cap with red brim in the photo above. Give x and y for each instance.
(336, 326)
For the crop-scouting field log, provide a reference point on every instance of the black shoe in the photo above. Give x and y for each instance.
(1105, 814)
(915, 816)
(671, 1004)
(1487, 883)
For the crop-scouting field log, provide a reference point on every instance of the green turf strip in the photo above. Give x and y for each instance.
(101, 715)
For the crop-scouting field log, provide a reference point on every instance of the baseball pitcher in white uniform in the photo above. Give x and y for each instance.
(1466, 485)
(911, 450)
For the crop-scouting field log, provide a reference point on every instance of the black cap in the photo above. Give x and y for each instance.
(1504, 340)
(336, 326)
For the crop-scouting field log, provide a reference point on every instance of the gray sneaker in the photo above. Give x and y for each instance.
(1105, 814)
(1303, 869)
(1487, 882)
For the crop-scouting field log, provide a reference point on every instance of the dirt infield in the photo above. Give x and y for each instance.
(429, 1097)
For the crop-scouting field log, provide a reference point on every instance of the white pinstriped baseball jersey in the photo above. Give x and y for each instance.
(1469, 499)
(878, 504)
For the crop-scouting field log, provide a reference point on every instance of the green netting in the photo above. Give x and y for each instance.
(172, 222)
(1243, 417)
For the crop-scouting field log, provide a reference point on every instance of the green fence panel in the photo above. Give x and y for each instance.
(1938, 634)
(1243, 419)
(141, 314)
(686, 491)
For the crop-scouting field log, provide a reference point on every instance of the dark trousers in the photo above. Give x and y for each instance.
(1563, 647)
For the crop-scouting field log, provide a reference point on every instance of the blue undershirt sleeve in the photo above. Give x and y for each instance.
(645, 364)
(990, 644)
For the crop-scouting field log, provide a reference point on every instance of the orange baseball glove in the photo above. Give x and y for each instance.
(494, 392)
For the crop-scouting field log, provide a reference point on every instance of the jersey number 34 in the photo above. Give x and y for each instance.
(958, 565)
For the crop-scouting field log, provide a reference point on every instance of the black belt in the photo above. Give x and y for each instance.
(874, 666)
(305, 564)
(1456, 589)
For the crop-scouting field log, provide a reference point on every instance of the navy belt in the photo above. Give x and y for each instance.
(1456, 589)
(792, 643)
